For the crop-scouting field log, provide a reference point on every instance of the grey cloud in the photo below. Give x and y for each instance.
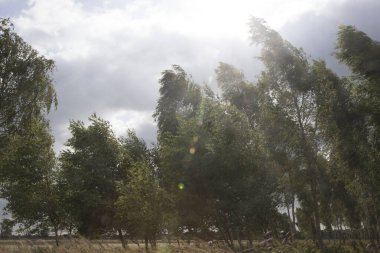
(123, 75)
(121, 71)
(316, 32)
(11, 8)
(148, 132)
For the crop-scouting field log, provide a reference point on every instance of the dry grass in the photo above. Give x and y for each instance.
(109, 246)
(98, 246)
(43, 246)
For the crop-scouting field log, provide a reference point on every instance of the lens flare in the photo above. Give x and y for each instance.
(181, 186)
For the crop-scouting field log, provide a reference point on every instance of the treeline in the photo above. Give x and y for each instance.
(296, 151)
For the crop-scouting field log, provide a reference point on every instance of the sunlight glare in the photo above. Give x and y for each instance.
(229, 18)
(181, 186)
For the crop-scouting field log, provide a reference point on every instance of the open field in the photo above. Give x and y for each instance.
(113, 246)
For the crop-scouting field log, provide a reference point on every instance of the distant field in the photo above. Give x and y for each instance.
(66, 246)
(114, 246)
(75, 245)
(98, 246)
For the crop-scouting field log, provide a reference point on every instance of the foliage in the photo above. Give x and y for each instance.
(29, 179)
(213, 166)
(6, 228)
(357, 145)
(89, 171)
(140, 201)
(179, 94)
(26, 86)
(27, 161)
(294, 150)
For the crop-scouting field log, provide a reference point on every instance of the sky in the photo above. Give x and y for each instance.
(109, 54)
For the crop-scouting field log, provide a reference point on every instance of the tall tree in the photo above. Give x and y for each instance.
(29, 179)
(213, 165)
(90, 169)
(358, 145)
(27, 162)
(140, 203)
(273, 127)
(238, 91)
(178, 95)
(290, 87)
(26, 86)
(139, 207)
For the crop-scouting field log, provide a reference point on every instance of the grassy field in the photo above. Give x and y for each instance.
(113, 246)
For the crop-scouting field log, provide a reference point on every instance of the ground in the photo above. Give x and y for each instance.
(113, 246)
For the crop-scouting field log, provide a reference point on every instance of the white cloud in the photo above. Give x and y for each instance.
(109, 54)
(126, 119)
(72, 29)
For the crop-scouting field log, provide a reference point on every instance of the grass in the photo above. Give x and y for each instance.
(109, 246)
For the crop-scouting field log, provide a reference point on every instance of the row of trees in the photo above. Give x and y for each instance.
(100, 184)
(296, 150)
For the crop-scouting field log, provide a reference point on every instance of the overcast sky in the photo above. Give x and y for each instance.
(109, 53)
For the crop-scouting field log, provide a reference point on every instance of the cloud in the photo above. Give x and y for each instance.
(109, 54)
(316, 32)
(11, 8)
(109, 60)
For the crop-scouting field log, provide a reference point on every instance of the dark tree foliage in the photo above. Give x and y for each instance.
(296, 151)
(6, 230)
(213, 167)
(141, 200)
(27, 161)
(178, 94)
(289, 85)
(26, 86)
(90, 169)
(357, 145)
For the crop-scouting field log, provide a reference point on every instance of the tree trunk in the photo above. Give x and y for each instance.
(137, 242)
(317, 221)
(237, 233)
(231, 239)
(56, 235)
(146, 244)
(71, 229)
(122, 239)
(311, 162)
(227, 238)
(153, 243)
(293, 216)
(290, 222)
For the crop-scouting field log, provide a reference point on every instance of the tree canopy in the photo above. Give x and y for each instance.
(26, 85)
(292, 154)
